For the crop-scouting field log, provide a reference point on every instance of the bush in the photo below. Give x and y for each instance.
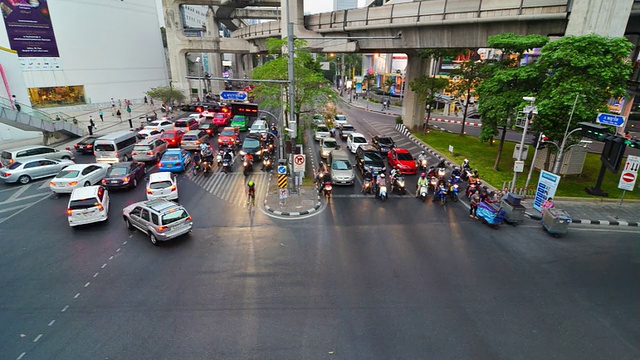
(398, 119)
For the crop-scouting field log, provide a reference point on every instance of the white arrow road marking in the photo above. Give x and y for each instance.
(25, 208)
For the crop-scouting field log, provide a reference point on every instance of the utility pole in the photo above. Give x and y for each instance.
(292, 120)
(558, 163)
(524, 134)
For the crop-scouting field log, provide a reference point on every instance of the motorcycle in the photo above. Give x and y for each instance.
(433, 182)
(367, 187)
(398, 185)
(226, 166)
(206, 167)
(195, 167)
(248, 166)
(267, 164)
(424, 191)
(453, 192)
(422, 164)
(441, 195)
(219, 158)
(473, 186)
(442, 172)
(326, 190)
(382, 192)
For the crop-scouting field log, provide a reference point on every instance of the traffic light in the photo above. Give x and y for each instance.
(634, 144)
(614, 147)
(593, 131)
(539, 139)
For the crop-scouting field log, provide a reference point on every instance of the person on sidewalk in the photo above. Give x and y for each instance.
(548, 204)
(129, 109)
(101, 114)
(15, 103)
(113, 107)
(474, 200)
(92, 124)
(119, 115)
(146, 101)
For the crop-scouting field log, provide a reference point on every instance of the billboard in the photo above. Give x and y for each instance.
(29, 28)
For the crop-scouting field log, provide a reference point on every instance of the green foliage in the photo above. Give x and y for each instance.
(426, 87)
(311, 88)
(592, 67)
(516, 44)
(464, 82)
(388, 83)
(166, 93)
(398, 119)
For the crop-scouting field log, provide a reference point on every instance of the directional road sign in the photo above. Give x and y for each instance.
(629, 173)
(233, 95)
(610, 119)
(282, 170)
(298, 163)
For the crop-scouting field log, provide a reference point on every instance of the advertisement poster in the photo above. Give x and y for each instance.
(29, 28)
(547, 186)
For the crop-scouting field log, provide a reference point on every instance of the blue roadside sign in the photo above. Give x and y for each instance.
(610, 119)
(282, 170)
(233, 95)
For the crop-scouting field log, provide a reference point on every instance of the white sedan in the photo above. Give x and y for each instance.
(160, 125)
(149, 134)
(354, 140)
(78, 175)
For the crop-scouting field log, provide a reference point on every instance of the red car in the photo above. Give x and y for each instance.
(172, 137)
(221, 119)
(402, 159)
(229, 136)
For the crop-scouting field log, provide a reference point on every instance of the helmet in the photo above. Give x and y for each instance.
(382, 176)
(423, 175)
(321, 163)
(466, 161)
(422, 153)
(250, 183)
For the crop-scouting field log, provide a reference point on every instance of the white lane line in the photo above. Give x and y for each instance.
(124, 243)
(64, 308)
(77, 295)
(51, 323)
(37, 338)
(118, 250)
(86, 285)
(18, 193)
(103, 266)
(23, 198)
(96, 274)
(110, 257)
(130, 236)
(13, 208)
(21, 356)
(25, 208)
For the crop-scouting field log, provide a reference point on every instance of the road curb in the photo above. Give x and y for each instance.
(591, 222)
(290, 213)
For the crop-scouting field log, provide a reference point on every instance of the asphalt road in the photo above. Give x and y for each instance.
(360, 280)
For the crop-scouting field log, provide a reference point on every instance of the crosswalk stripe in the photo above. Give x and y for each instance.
(231, 187)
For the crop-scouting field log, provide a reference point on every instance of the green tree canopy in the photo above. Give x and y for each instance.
(166, 93)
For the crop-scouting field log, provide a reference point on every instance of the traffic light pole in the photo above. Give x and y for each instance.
(596, 190)
(533, 162)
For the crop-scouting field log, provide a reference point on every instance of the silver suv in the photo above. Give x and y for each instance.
(149, 150)
(24, 154)
(160, 219)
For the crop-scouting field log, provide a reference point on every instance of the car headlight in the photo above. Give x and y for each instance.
(242, 152)
(258, 152)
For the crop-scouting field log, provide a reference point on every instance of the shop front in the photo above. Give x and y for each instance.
(57, 96)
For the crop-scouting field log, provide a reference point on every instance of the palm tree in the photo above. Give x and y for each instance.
(388, 84)
(369, 78)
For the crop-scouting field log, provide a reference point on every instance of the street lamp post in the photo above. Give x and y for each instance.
(199, 78)
(556, 166)
(524, 134)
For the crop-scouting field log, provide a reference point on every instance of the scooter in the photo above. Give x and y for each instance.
(422, 164)
(206, 168)
(326, 190)
(219, 158)
(453, 192)
(226, 166)
(433, 183)
(398, 185)
(423, 193)
(248, 167)
(267, 164)
(382, 194)
(441, 195)
(368, 187)
(442, 172)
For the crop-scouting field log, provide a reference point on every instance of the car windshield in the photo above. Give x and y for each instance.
(341, 165)
(83, 204)
(181, 124)
(385, 141)
(359, 140)
(160, 184)
(105, 147)
(168, 135)
(170, 157)
(341, 117)
(67, 174)
(405, 156)
(322, 128)
(174, 215)
(251, 143)
(227, 133)
(117, 171)
(330, 144)
(6, 155)
(14, 165)
(189, 138)
(347, 128)
(142, 148)
(372, 157)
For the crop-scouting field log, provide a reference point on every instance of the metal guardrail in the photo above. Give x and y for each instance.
(35, 118)
(422, 13)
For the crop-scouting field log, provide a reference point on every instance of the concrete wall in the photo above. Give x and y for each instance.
(113, 48)
(13, 74)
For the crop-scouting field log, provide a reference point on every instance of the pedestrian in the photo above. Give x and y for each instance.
(145, 100)
(474, 200)
(129, 110)
(101, 114)
(548, 204)
(91, 123)
(119, 115)
(15, 103)
(151, 101)
(119, 104)
(57, 117)
(113, 107)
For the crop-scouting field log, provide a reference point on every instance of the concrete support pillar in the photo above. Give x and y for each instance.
(261, 59)
(413, 110)
(215, 59)
(177, 59)
(602, 17)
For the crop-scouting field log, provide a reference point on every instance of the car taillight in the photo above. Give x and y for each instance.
(100, 207)
(11, 161)
(76, 146)
(197, 142)
(149, 191)
(160, 164)
(173, 188)
(162, 228)
(104, 181)
(72, 183)
(6, 174)
(69, 211)
(133, 153)
(188, 218)
(89, 146)
(150, 153)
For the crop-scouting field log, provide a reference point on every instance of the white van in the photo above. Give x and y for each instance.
(115, 147)
(87, 205)
(258, 127)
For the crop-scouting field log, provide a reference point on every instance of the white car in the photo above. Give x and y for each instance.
(88, 205)
(149, 134)
(322, 131)
(206, 114)
(339, 120)
(160, 125)
(354, 140)
(162, 185)
(76, 176)
(200, 117)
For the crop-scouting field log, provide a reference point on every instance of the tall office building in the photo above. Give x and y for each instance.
(345, 4)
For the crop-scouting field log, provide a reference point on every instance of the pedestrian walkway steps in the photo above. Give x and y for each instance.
(30, 119)
(232, 187)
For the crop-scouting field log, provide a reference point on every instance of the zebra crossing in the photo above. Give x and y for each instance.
(232, 187)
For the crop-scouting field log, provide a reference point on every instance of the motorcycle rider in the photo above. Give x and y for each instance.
(422, 181)
(395, 174)
(421, 157)
(381, 181)
(273, 130)
(249, 159)
(367, 177)
(196, 159)
(455, 172)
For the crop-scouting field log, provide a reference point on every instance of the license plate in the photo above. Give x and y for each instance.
(114, 181)
(169, 165)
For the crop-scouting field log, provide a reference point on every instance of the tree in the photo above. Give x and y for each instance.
(593, 67)
(427, 87)
(368, 79)
(166, 93)
(464, 81)
(311, 89)
(388, 83)
(506, 83)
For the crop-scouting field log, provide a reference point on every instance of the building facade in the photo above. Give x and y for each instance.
(345, 4)
(81, 52)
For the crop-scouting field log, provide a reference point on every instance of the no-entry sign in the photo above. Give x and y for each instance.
(629, 173)
(298, 163)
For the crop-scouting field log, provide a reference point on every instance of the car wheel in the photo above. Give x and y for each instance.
(66, 157)
(128, 224)
(24, 179)
(153, 239)
(135, 183)
(87, 183)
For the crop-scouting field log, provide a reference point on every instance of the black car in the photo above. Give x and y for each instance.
(383, 143)
(85, 146)
(368, 158)
(345, 130)
(124, 175)
(252, 144)
(209, 128)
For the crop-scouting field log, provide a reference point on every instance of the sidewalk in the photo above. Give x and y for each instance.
(595, 211)
(305, 202)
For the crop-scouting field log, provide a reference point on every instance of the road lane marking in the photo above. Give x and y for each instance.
(45, 185)
(86, 285)
(96, 274)
(22, 198)
(64, 308)
(104, 266)
(13, 208)
(37, 338)
(18, 193)
(124, 243)
(21, 356)
(25, 208)
(51, 323)
(110, 257)
(118, 250)
(75, 297)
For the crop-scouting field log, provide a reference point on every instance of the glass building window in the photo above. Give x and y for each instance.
(57, 96)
